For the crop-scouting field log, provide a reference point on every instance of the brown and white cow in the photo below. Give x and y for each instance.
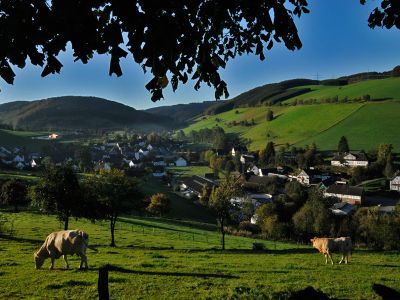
(63, 243)
(326, 246)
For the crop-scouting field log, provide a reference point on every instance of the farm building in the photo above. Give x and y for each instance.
(350, 160)
(345, 193)
(195, 185)
(395, 182)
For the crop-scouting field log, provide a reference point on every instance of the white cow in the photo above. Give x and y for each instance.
(327, 245)
(63, 243)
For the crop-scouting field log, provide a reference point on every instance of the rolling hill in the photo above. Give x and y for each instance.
(365, 125)
(182, 112)
(72, 113)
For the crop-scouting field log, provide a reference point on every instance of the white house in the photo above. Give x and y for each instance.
(395, 183)
(246, 158)
(144, 152)
(53, 136)
(181, 162)
(33, 163)
(149, 147)
(303, 178)
(255, 170)
(236, 150)
(350, 160)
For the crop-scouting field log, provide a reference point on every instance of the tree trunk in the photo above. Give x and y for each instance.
(112, 227)
(223, 233)
(66, 223)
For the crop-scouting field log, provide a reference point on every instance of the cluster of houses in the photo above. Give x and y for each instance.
(332, 184)
(123, 155)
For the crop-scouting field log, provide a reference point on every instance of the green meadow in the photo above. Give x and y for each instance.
(378, 89)
(166, 259)
(365, 125)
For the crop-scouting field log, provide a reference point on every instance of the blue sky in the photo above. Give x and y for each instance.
(336, 41)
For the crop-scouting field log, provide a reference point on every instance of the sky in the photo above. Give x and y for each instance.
(336, 42)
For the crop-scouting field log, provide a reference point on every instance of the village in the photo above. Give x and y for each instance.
(162, 156)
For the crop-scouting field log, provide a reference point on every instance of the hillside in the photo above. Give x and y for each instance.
(71, 113)
(273, 93)
(365, 125)
(165, 259)
(182, 112)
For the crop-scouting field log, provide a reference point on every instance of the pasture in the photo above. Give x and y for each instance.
(365, 125)
(163, 259)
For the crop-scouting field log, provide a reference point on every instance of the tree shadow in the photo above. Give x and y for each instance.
(20, 239)
(179, 274)
(386, 266)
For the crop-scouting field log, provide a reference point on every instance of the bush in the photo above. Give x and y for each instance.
(248, 226)
(159, 204)
(258, 246)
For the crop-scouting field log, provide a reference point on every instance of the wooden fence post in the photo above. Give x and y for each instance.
(102, 284)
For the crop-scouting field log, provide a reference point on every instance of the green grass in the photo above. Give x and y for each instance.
(371, 125)
(377, 89)
(366, 125)
(190, 171)
(22, 175)
(156, 259)
(10, 138)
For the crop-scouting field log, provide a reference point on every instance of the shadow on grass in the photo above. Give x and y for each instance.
(386, 266)
(20, 239)
(69, 283)
(179, 274)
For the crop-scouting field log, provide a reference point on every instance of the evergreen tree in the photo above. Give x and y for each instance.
(270, 115)
(343, 145)
(389, 169)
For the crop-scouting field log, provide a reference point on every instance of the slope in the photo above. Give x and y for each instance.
(291, 124)
(70, 113)
(371, 125)
(378, 89)
(182, 112)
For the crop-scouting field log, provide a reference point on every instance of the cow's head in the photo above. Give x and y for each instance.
(313, 240)
(39, 260)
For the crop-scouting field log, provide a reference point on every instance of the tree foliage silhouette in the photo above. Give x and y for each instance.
(174, 40)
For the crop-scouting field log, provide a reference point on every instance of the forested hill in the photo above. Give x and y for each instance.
(72, 112)
(183, 112)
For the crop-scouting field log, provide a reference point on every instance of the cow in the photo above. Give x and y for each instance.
(63, 243)
(327, 245)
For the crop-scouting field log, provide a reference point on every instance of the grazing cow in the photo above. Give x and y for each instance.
(327, 245)
(63, 243)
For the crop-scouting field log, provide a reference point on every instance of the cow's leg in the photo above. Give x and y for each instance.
(52, 262)
(346, 260)
(83, 261)
(326, 258)
(341, 260)
(66, 261)
(330, 257)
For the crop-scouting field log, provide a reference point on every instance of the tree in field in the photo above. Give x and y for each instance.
(270, 153)
(270, 115)
(389, 168)
(115, 194)
(159, 204)
(314, 218)
(384, 151)
(58, 192)
(205, 195)
(343, 146)
(396, 71)
(220, 202)
(13, 192)
(83, 158)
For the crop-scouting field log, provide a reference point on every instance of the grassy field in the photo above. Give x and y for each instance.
(9, 138)
(158, 259)
(365, 125)
(377, 89)
(190, 171)
(371, 125)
